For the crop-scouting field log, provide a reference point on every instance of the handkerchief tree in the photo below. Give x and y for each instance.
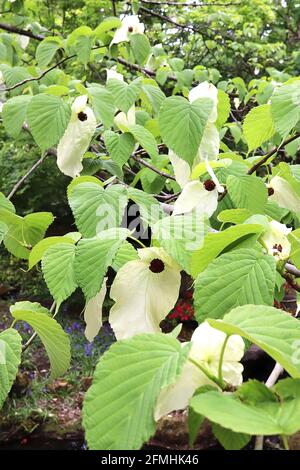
(215, 201)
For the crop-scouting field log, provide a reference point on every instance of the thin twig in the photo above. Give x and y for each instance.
(271, 153)
(194, 4)
(151, 167)
(23, 32)
(24, 178)
(272, 379)
(32, 79)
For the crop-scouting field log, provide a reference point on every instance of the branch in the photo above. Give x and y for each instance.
(23, 32)
(271, 153)
(32, 79)
(294, 285)
(114, 7)
(290, 268)
(153, 168)
(24, 178)
(194, 4)
(272, 379)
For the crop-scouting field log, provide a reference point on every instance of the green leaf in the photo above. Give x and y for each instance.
(94, 256)
(46, 50)
(24, 232)
(10, 358)
(53, 337)
(14, 113)
(48, 117)
(83, 48)
(244, 276)
(58, 270)
(125, 95)
(234, 216)
(273, 330)
(180, 236)
(39, 249)
(119, 146)
(182, 125)
(6, 204)
(258, 126)
(149, 207)
(95, 208)
(154, 96)
(140, 47)
(223, 108)
(125, 253)
(254, 409)
(3, 231)
(247, 192)
(215, 243)
(230, 440)
(118, 408)
(294, 238)
(106, 25)
(285, 107)
(103, 105)
(145, 139)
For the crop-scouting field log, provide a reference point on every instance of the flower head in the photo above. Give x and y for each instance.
(274, 239)
(281, 192)
(77, 137)
(150, 284)
(207, 343)
(130, 25)
(198, 195)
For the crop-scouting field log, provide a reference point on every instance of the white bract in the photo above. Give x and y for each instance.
(198, 195)
(93, 313)
(206, 90)
(210, 142)
(130, 25)
(144, 292)
(77, 137)
(284, 194)
(275, 240)
(206, 349)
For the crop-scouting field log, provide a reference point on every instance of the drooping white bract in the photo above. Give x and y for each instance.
(284, 194)
(275, 240)
(123, 120)
(144, 292)
(206, 349)
(77, 137)
(111, 73)
(198, 195)
(206, 90)
(93, 313)
(182, 170)
(130, 25)
(210, 142)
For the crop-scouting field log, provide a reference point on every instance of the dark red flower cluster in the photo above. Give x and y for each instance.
(183, 310)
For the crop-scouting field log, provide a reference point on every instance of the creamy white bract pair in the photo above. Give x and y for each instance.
(196, 194)
(77, 137)
(283, 194)
(130, 25)
(144, 291)
(275, 240)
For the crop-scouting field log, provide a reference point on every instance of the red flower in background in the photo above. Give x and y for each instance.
(183, 310)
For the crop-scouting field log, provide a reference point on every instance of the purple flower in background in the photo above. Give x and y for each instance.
(76, 326)
(68, 329)
(88, 349)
